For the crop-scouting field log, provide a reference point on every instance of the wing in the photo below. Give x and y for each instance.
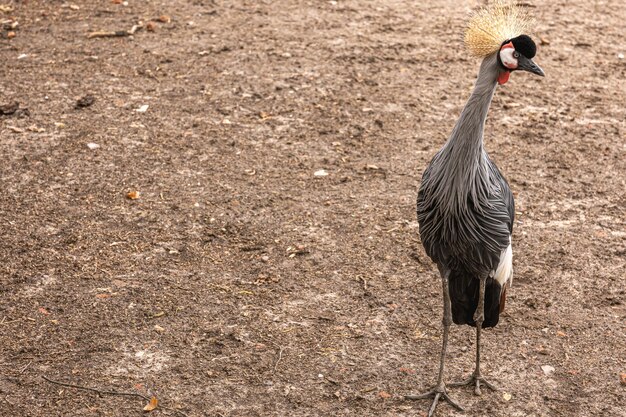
(473, 239)
(428, 216)
(504, 271)
(507, 195)
(484, 233)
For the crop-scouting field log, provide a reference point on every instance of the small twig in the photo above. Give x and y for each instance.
(103, 392)
(364, 283)
(97, 391)
(26, 367)
(252, 248)
(115, 34)
(220, 358)
(280, 356)
(322, 318)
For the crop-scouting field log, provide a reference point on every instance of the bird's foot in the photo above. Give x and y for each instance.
(477, 380)
(437, 393)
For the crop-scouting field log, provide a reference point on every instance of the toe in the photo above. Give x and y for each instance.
(452, 402)
(433, 407)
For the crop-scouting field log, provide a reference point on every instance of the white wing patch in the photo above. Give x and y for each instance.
(504, 272)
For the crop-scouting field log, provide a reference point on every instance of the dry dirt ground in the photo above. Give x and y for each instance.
(239, 283)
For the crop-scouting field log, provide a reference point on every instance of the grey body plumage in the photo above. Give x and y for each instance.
(465, 207)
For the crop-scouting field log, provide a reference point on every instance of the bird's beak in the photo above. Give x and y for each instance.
(527, 64)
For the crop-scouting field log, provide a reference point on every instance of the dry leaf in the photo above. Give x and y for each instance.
(384, 395)
(132, 195)
(151, 405)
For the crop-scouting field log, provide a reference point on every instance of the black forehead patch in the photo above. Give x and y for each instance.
(525, 46)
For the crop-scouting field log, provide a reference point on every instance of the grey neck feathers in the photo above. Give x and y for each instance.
(460, 169)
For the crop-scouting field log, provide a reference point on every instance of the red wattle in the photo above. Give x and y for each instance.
(503, 77)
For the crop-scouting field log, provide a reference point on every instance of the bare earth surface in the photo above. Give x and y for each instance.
(240, 283)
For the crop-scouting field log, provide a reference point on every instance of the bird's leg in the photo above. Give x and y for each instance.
(439, 391)
(479, 316)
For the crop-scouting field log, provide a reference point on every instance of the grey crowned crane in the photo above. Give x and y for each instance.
(465, 208)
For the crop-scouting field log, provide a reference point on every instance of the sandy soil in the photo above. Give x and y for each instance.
(239, 283)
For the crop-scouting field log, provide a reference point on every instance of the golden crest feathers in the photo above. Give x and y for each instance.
(494, 24)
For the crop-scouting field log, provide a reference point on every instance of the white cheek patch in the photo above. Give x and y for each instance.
(507, 58)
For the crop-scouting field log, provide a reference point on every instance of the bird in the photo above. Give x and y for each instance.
(465, 207)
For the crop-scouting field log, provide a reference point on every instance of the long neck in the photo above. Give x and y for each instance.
(461, 165)
(467, 135)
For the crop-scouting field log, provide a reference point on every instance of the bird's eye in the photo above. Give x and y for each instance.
(515, 54)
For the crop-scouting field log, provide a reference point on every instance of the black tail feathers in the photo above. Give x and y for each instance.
(464, 289)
